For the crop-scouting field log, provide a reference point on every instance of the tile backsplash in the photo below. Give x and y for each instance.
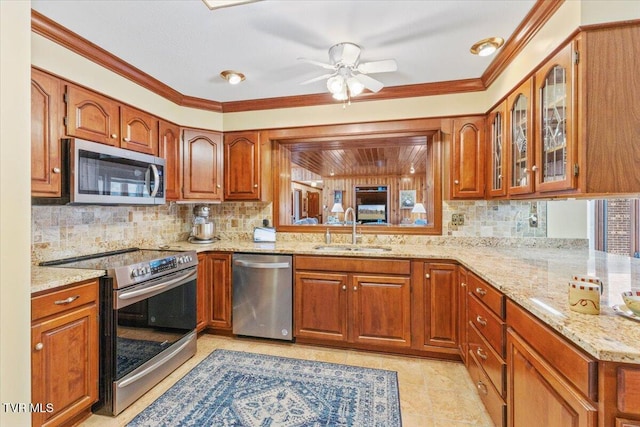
(64, 231)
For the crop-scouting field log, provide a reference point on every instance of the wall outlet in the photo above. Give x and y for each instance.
(457, 219)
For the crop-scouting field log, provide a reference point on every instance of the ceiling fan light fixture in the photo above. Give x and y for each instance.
(233, 77)
(335, 84)
(486, 47)
(355, 87)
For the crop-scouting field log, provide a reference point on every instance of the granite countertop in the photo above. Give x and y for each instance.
(534, 278)
(47, 278)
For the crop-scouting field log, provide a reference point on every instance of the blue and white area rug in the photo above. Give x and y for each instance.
(231, 388)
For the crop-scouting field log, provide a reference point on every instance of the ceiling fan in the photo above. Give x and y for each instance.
(348, 76)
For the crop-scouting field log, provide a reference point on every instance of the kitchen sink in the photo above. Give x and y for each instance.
(370, 249)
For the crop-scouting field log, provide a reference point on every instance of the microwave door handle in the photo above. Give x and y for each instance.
(156, 180)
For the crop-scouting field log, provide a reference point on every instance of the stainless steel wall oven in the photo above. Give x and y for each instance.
(147, 319)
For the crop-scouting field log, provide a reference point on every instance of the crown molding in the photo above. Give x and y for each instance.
(537, 17)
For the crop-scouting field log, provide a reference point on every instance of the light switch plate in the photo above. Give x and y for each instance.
(457, 219)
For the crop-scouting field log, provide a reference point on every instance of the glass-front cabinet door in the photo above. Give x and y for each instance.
(521, 157)
(497, 130)
(555, 134)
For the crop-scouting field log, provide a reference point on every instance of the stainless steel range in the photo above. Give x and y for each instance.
(147, 319)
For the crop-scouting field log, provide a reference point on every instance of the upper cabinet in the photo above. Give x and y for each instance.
(46, 132)
(520, 130)
(169, 150)
(555, 124)
(497, 151)
(97, 118)
(467, 171)
(202, 165)
(242, 166)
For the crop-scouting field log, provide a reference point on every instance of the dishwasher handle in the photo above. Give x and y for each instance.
(251, 264)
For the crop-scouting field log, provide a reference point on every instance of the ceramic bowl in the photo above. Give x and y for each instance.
(632, 301)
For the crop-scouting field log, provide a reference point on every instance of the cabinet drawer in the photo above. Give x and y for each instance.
(576, 366)
(65, 299)
(490, 326)
(492, 364)
(629, 390)
(353, 265)
(495, 405)
(490, 296)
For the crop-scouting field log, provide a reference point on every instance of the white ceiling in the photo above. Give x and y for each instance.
(185, 45)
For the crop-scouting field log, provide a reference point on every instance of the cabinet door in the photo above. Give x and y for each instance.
(538, 395)
(220, 290)
(64, 364)
(497, 151)
(91, 116)
(138, 130)
(202, 165)
(468, 158)
(441, 305)
(520, 124)
(555, 124)
(169, 150)
(46, 131)
(320, 306)
(242, 166)
(204, 283)
(381, 310)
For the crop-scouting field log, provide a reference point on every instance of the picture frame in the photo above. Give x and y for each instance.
(407, 199)
(337, 196)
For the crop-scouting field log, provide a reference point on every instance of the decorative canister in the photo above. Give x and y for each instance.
(584, 297)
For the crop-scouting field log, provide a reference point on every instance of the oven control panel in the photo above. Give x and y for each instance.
(159, 266)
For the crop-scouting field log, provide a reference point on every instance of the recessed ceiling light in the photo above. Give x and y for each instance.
(217, 4)
(487, 46)
(233, 77)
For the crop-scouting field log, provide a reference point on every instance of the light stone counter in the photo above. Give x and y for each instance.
(46, 278)
(535, 278)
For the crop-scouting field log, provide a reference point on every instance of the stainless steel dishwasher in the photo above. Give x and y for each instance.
(263, 296)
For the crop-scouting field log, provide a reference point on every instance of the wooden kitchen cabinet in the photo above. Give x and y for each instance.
(549, 381)
(64, 354)
(214, 291)
(468, 152)
(169, 150)
(497, 177)
(202, 165)
(520, 139)
(92, 116)
(242, 166)
(437, 306)
(138, 130)
(357, 301)
(46, 132)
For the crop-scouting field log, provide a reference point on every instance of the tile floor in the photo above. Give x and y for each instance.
(432, 393)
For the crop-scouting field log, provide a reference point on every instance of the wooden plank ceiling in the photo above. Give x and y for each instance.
(380, 156)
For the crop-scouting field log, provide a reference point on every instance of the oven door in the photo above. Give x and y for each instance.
(152, 316)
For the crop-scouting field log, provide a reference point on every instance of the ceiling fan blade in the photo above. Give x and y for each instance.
(370, 83)
(315, 79)
(384, 66)
(318, 63)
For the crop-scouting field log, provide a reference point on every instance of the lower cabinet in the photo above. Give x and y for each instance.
(549, 382)
(64, 354)
(214, 291)
(362, 302)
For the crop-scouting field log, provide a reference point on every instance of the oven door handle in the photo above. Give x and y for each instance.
(153, 367)
(155, 288)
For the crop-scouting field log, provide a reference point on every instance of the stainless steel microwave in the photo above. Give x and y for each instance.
(102, 174)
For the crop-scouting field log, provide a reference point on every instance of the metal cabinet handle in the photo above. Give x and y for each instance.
(66, 301)
(39, 346)
(481, 291)
(255, 185)
(464, 285)
(56, 170)
(344, 287)
(534, 168)
(456, 182)
(355, 288)
(427, 276)
(481, 354)
(114, 135)
(218, 186)
(481, 320)
(126, 139)
(482, 388)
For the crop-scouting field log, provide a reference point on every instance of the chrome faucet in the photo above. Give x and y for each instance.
(354, 238)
